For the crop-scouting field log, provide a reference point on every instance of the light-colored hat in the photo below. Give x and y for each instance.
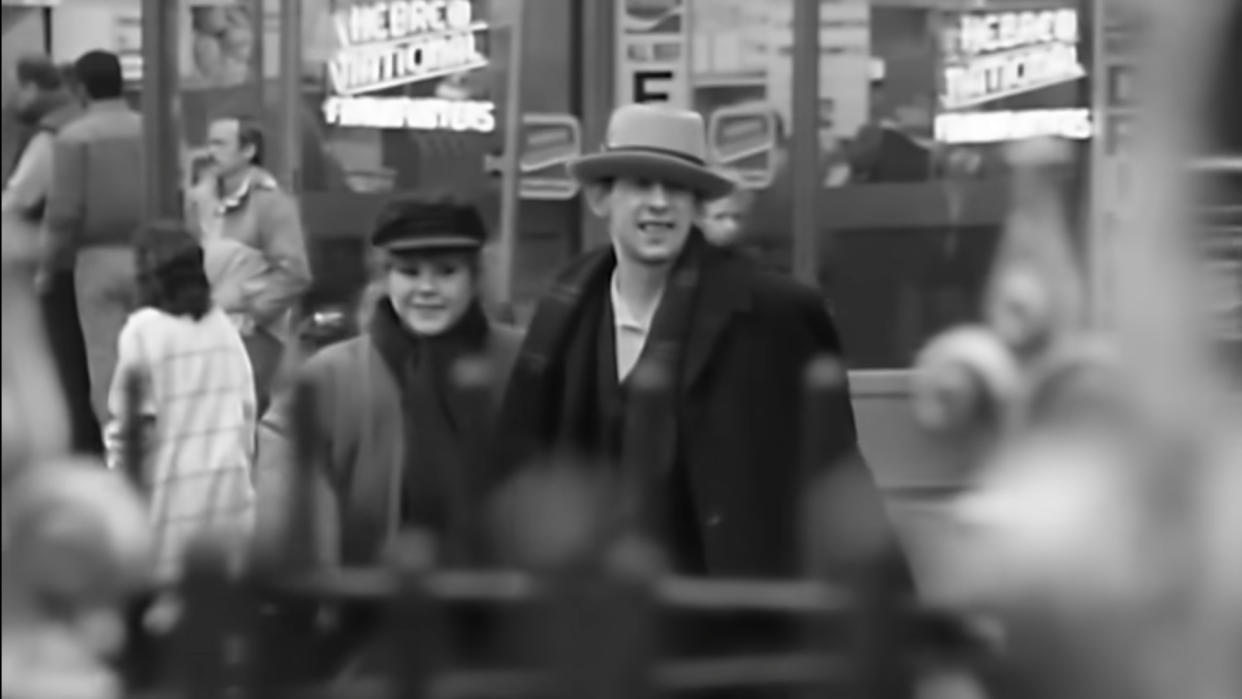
(658, 142)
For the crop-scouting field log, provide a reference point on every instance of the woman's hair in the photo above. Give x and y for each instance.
(170, 270)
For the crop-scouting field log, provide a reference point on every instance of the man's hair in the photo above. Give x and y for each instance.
(99, 73)
(171, 277)
(249, 133)
(38, 70)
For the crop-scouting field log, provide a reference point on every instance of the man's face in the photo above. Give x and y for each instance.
(227, 154)
(431, 292)
(722, 220)
(648, 221)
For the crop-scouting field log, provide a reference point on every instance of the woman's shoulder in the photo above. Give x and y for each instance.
(144, 319)
(344, 357)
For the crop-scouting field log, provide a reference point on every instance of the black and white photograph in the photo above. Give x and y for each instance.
(621, 349)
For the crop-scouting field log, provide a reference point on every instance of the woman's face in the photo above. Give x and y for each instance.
(430, 292)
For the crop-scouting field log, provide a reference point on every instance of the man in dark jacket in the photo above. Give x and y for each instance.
(720, 448)
(46, 102)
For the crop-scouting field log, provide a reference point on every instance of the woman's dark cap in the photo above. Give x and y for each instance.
(429, 223)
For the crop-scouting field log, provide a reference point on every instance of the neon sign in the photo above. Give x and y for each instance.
(395, 43)
(390, 44)
(991, 56)
(423, 113)
(998, 127)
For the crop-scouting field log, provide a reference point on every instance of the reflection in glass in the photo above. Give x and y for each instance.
(914, 183)
(400, 100)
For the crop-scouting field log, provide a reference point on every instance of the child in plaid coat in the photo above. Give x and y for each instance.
(197, 409)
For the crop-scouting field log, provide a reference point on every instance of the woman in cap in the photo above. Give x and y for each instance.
(392, 415)
(392, 418)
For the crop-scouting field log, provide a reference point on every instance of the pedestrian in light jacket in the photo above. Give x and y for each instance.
(240, 201)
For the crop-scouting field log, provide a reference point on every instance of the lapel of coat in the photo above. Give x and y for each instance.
(385, 435)
(555, 314)
(527, 410)
(723, 292)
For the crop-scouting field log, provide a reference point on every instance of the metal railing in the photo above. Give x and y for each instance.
(584, 619)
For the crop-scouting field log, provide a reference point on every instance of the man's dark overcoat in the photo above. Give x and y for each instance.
(733, 423)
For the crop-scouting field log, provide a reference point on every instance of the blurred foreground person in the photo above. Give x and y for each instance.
(94, 205)
(256, 247)
(76, 542)
(181, 357)
(45, 100)
(720, 441)
(77, 546)
(722, 220)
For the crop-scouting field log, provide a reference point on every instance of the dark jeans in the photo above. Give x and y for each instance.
(59, 308)
(266, 354)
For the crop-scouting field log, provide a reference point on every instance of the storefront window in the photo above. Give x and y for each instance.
(227, 62)
(916, 107)
(410, 96)
(401, 95)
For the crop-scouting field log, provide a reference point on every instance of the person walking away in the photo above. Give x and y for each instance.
(243, 202)
(47, 102)
(197, 416)
(198, 403)
(394, 429)
(94, 205)
(733, 338)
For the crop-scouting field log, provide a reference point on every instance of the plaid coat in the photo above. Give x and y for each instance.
(198, 408)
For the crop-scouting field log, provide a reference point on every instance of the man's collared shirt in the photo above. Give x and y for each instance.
(630, 329)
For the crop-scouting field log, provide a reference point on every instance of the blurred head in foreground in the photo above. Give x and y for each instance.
(723, 218)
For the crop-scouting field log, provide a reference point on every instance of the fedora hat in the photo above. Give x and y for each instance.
(657, 142)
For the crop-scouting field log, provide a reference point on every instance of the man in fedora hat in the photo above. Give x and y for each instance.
(719, 444)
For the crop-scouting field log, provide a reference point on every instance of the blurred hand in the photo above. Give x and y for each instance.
(49, 662)
(43, 279)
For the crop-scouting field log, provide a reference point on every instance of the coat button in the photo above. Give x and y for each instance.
(714, 519)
